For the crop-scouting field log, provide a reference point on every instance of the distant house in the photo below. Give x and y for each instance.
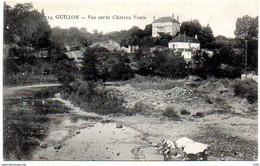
(167, 25)
(184, 44)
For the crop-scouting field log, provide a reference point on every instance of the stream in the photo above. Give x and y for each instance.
(68, 133)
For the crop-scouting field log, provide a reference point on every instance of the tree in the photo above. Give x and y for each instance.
(191, 28)
(148, 30)
(170, 65)
(247, 27)
(206, 37)
(25, 26)
(90, 65)
(247, 31)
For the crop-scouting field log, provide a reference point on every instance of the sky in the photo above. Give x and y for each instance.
(221, 15)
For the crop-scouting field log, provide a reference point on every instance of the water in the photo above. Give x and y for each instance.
(35, 116)
(103, 141)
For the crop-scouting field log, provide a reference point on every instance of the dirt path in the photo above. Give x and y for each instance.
(12, 89)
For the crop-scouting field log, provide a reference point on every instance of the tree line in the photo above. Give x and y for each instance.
(27, 30)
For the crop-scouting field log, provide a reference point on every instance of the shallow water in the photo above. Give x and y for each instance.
(68, 132)
(103, 141)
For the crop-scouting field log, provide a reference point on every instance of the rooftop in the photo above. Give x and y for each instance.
(184, 38)
(165, 19)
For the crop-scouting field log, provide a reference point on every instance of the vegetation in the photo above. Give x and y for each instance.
(171, 113)
(28, 33)
(246, 89)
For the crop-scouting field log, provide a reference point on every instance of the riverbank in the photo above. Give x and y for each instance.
(61, 124)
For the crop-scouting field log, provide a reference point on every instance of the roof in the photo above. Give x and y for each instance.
(184, 38)
(165, 19)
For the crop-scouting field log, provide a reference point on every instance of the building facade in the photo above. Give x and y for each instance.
(167, 25)
(185, 45)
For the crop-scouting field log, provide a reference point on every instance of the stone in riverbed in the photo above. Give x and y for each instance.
(43, 145)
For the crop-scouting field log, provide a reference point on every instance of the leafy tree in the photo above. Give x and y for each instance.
(90, 61)
(247, 30)
(170, 65)
(206, 37)
(191, 28)
(247, 27)
(148, 30)
(25, 26)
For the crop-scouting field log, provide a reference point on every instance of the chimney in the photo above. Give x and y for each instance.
(153, 18)
(172, 16)
(178, 18)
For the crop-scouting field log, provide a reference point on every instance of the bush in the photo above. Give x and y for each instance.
(170, 65)
(93, 97)
(170, 113)
(199, 114)
(184, 112)
(246, 89)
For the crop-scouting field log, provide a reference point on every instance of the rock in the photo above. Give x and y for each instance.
(182, 142)
(77, 132)
(195, 147)
(43, 145)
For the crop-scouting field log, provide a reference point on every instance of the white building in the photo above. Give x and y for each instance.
(167, 25)
(184, 44)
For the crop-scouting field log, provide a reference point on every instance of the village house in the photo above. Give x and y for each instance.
(167, 25)
(184, 45)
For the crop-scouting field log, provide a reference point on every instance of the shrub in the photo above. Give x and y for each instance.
(170, 113)
(184, 112)
(199, 114)
(246, 89)
(93, 97)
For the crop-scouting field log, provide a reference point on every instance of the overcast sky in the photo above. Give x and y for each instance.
(220, 14)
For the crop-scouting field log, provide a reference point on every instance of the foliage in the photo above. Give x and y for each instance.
(170, 65)
(184, 112)
(247, 27)
(191, 28)
(26, 26)
(246, 89)
(96, 98)
(105, 65)
(171, 113)
(90, 61)
(66, 71)
(206, 37)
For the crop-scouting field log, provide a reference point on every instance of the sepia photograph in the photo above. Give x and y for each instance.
(114, 80)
